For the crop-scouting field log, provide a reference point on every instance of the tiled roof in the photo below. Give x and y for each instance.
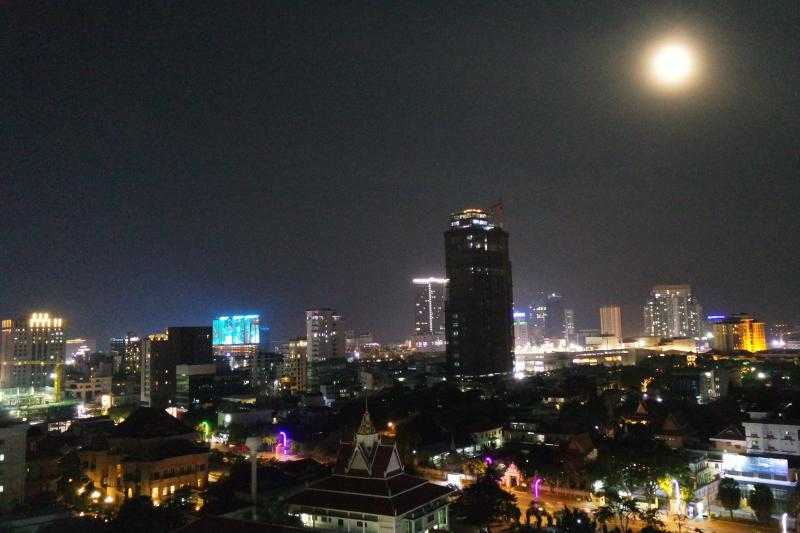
(730, 433)
(149, 423)
(169, 448)
(215, 524)
(376, 503)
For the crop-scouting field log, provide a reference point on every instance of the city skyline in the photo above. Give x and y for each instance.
(172, 191)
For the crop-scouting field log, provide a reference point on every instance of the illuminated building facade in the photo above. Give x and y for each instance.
(611, 320)
(739, 332)
(430, 296)
(295, 365)
(521, 332)
(478, 317)
(32, 355)
(239, 338)
(127, 352)
(672, 311)
(79, 351)
(429, 323)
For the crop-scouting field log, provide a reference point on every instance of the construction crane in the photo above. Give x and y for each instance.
(499, 209)
(58, 379)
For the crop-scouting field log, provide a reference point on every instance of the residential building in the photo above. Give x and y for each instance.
(370, 493)
(479, 310)
(13, 445)
(150, 453)
(295, 364)
(325, 337)
(672, 311)
(773, 436)
(739, 332)
(729, 440)
(611, 320)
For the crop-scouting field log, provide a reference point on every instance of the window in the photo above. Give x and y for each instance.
(154, 493)
(2, 457)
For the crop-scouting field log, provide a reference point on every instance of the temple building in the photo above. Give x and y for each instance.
(370, 493)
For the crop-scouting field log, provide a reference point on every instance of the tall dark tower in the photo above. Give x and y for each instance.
(479, 310)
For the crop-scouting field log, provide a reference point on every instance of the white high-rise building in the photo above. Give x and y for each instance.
(325, 335)
(429, 327)
(672, 311)
(611, 321)
(431, 294)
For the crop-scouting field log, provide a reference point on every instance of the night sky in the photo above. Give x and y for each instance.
(161, 166)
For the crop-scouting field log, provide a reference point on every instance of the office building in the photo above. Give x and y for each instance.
(32, 356)
(369, 492)
(569, 326)
(611, 320)
(521, 332)
(238, 338)
(429, 323)
(555, 317)
(739, 332)
(478, 317)
(162, 353)
(13, 445)
(194, 384)
(672, 311)
(127, 352)
(429, 299)
(700, 385)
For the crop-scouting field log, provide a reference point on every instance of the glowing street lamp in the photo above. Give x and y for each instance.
(672, 64)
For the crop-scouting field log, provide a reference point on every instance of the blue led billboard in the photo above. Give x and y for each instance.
(238, 329)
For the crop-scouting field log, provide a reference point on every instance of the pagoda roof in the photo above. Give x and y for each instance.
(386, 497)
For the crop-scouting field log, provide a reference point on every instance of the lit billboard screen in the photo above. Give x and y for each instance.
(754, 466)
(231, 330)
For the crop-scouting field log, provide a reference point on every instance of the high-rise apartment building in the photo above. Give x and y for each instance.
(162, 353)
(672, 311)
(555, 318)
(739, 332)
(611, 320)
(326, 347)
(478, 314)
(295, 364)
(429, 323)
(325, 335)
(127, 352)
(32, 354)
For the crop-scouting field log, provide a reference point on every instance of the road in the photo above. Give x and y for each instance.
(554, 503)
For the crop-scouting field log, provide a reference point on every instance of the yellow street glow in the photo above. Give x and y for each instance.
(673, 65)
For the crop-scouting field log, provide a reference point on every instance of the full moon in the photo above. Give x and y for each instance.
(672, 65)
